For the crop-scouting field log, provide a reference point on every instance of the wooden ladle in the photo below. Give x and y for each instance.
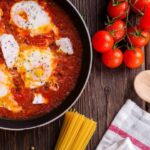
(142, 85)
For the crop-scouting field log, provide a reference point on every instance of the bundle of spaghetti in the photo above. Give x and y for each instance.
(76, 132)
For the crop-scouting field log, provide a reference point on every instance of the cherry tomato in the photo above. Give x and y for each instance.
(145, 20)
(138, 38)
(139, 5)
(112, 58)
(133, 58)
(102, 41)
(119, 9)
(117, 29)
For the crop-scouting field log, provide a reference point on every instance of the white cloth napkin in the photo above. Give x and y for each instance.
(125, 144)
(130, 130)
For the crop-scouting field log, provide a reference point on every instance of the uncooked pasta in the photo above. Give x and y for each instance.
(76, 132)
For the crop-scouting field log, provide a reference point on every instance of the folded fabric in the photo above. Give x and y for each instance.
(125, 144)
(129, 130)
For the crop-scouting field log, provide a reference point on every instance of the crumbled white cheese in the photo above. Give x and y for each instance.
(39, 99)
(10, 49)
(65, 45)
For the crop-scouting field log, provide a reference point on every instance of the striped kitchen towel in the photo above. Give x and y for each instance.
(130, 130)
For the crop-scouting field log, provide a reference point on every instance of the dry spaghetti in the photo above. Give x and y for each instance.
(76, 132)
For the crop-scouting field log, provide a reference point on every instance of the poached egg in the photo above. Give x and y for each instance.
(29, 15)
(35, 65)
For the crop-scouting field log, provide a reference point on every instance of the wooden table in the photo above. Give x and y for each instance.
(105, 93)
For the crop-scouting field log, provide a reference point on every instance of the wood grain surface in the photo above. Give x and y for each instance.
(104, 95)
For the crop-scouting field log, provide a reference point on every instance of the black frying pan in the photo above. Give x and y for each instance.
(82, 81)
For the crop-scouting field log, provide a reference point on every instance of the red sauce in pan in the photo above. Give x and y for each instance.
(67, 69)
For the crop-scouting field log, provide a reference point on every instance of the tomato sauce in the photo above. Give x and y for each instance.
(67, 69)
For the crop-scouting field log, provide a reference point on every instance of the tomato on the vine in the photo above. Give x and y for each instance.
(112, 58)
(117, 29)
(118, 9)
(145, 20)
(138, 38)
(139, 5)
(102, 41)
(133, 58)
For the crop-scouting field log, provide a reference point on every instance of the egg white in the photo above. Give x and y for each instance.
(35, 64)
(29, 15)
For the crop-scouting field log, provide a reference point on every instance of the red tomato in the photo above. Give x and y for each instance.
(133, 58)
(117, 30)
(145, 20)
(119, 9)
(112, 58)
(138, 38)
(102, 41)
(139, 5)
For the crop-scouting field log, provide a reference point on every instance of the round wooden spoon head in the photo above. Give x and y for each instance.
(142, 85)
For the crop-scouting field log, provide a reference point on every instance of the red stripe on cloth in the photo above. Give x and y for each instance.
(123, 134)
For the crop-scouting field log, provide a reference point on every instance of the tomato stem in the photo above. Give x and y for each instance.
(133, 5)
(115, 46)
(127, 19)
(129, 41)
(134, 2)
(120, 40)
(130, 47)
(109, 21)
(116, 2)
(126, 12)
(130, 24)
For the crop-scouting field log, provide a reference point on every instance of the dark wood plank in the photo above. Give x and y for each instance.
(106, 91)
